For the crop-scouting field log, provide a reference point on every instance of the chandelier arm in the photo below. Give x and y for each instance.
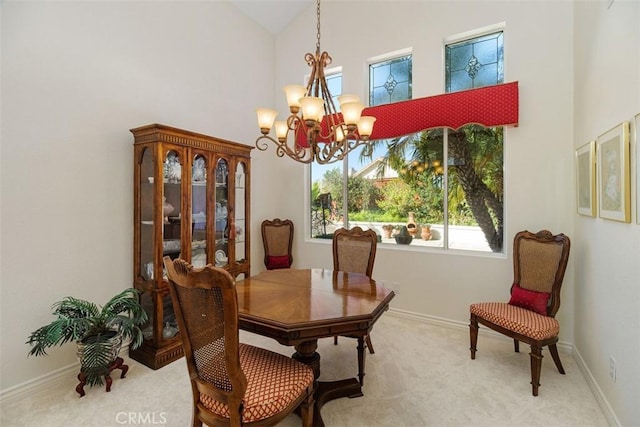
(298, 154)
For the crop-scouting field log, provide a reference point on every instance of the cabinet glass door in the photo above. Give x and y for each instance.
(222, 213)
(147, 190)
(171, 197)
(240, 212)
(199, 211)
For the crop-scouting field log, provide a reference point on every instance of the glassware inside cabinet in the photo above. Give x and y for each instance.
(222, 213)
(171, 198)
(198, 211)
(147, 191)
(240, 212)
(156, 303)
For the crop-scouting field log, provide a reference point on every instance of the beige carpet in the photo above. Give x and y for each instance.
(420, 375)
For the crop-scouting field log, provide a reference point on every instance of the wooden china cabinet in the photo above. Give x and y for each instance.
(191, 200)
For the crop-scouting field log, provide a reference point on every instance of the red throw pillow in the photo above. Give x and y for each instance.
(531, 300)
(274, 262)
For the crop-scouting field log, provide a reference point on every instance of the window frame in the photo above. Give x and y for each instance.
(498, 27)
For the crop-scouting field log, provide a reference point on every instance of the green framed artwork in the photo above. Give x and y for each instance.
(614, 193)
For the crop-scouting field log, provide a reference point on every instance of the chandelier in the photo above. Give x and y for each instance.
(315, 131)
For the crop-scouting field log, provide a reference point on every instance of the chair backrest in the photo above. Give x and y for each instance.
(277, 238)
(539, 263)
(354, 250)
(206, 308)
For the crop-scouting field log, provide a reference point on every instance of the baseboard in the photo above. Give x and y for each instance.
(609, 414)
(36, 385)
(45, 382)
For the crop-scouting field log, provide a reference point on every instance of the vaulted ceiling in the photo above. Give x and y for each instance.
(273, 15)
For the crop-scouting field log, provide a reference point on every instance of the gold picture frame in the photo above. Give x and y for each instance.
(637, 144)
(586, 179)
(614, 193)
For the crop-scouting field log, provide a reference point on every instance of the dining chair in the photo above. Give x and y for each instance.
(354, 251)
(277, 238)
(233, 384)
(539, 263)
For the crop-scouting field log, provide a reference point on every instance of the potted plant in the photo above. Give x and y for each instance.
(386, 230)
(425, 232)
(98, 331)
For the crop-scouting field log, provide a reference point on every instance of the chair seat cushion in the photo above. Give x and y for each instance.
(273, 382)
(517, 319)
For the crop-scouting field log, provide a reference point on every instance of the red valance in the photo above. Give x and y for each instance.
(487, 106)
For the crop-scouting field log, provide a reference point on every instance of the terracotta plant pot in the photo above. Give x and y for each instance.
(425, 232)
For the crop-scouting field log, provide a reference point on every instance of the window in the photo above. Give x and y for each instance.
(357, 179)
(474, 62)
(445, 185)
(474, 169)
(390, 81)
(326, 203)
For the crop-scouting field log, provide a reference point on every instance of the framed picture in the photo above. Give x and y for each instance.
(613, 191)
(637, 143)
(586, 179)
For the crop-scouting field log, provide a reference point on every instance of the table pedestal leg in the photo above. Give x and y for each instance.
(324, 390)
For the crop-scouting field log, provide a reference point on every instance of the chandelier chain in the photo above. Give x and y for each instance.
(318, 26)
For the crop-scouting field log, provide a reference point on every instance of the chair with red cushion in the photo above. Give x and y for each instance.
(277, 238)
(233, 384)
(539, 262)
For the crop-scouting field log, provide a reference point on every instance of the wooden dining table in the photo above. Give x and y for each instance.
(296, 307)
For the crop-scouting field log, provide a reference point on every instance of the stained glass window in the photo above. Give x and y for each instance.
(390, 81)
(474, 63)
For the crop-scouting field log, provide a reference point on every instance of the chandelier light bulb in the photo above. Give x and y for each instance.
(281, 129)
(294, 93)
(312, 108)
(365, 126)
(266, 116)
(351, 112)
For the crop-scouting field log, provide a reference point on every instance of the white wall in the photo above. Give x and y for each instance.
(76, 76)
(607, 253)
(539, 153)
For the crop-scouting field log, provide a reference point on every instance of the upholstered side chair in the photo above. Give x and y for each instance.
(354, 251)
(233, 384)
(277, 238)
(539, 263)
